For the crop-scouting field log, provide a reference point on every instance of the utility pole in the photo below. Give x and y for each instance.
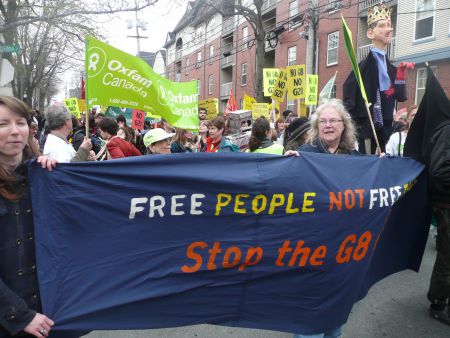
(137, 24)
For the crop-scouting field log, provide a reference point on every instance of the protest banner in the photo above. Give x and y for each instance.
(268, 248)
(72, 106)
(279, 91)
(296, 81)
(248, 102)
(312, 83)
(137, 119)
(270, 76)
(260, 109)
(119, 79)
(212, 107)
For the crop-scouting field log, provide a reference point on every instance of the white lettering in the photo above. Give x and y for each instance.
(134, 208)
(195, 204)
(175, 205)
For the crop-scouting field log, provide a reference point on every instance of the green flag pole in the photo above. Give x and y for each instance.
(351, 55)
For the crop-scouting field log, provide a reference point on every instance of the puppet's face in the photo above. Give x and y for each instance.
(381, 34)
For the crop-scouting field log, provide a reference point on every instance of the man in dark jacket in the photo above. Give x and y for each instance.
(383, 83)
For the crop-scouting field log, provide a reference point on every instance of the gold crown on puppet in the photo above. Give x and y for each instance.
(377, 13)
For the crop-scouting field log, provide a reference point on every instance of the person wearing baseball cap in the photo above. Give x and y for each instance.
(157, 141)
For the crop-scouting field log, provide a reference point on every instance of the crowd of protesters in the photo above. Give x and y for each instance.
(58, 137)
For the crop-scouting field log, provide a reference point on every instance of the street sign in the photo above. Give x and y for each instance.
(10, 48)
(7, 72)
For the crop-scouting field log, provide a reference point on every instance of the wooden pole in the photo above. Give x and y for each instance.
(371, 124)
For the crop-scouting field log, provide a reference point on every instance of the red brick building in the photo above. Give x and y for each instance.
(219, 51)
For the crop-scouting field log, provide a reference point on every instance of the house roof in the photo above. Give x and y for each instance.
(148, 57)
(197, 11)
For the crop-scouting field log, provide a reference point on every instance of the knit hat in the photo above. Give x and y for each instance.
(156, 135)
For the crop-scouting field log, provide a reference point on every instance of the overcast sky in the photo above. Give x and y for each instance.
(161, 18)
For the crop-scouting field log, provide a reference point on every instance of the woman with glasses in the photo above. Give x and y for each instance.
(332, 130)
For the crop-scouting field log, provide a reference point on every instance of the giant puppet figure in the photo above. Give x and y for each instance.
(383, 82)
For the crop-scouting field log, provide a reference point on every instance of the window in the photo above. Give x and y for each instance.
(199, 34)
(245, 38)
(199, 87)
(293, 11)
(292, 55)
(199, 59)
(333, 5)
(210, 84)
(421, 81)
(211, 53)
(425, 10)
(290, 105)
(187, 67)
(243, 74)
(332, 48)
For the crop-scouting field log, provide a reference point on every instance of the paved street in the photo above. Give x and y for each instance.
(396, 307)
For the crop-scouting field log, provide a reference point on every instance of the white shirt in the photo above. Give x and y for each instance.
(58, 149)
(396, 144)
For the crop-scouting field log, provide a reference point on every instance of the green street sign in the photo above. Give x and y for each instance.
(10, 48)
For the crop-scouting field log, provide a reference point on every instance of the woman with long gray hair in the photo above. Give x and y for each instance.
(332, 130)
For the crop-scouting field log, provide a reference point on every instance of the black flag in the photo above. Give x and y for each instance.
(433, 111)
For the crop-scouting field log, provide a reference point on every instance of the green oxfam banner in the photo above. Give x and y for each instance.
(116, 78)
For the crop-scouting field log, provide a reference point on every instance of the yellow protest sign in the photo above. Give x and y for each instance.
(296, 81)
(211, 106)
(248, 102)
(279, 91)
(270, 76)
(72, 106)
(312, 82)
(260, 109)
(82, 108)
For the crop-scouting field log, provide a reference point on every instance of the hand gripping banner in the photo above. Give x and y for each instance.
(245, 240)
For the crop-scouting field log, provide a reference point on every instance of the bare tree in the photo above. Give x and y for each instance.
(51, 35)
(253, 15)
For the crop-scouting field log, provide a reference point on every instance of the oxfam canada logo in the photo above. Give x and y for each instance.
(162, 95)
(96, 62)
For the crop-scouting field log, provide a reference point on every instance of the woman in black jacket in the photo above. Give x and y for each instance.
(20, 306)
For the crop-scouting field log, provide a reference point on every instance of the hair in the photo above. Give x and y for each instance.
(99, 115)
(348, 137)
(286, 113)
(121, 118)
(9, 187)
(180, 137)
(128, 136)
(259, 133)
(295, 132)
(204, 109)
(56, 117)
(277, 123)
(410, 111)
(218, 122)
(108, 125)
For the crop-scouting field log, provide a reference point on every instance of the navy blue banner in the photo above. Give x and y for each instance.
(247, 240)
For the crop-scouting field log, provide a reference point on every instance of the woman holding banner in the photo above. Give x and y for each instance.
(332, 130)
(20, 306)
